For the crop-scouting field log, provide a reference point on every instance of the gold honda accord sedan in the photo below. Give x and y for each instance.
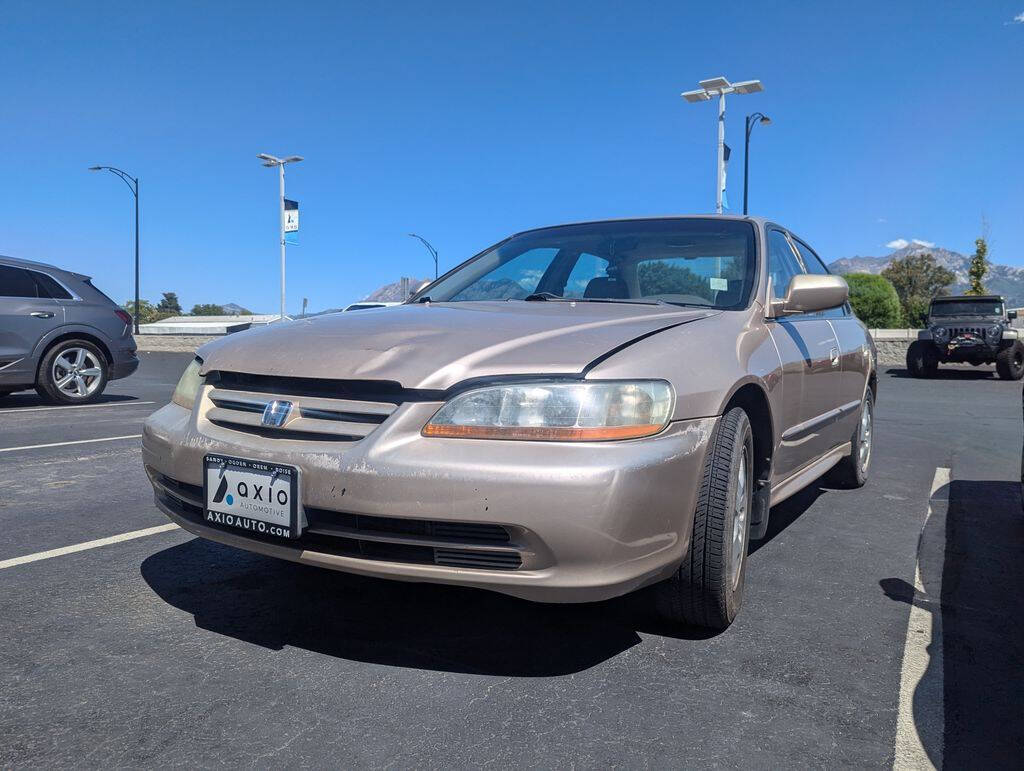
(573, 414)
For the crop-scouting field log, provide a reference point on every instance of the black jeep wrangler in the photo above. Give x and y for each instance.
(968, 330)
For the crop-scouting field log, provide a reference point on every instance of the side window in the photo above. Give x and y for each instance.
(812, 262)
(587, 268)
(15, 282)
(782, 263)
(48, 286)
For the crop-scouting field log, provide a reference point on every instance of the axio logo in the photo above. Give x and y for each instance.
(276, 413)
(222, 489)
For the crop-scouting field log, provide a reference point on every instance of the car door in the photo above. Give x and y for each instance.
(809, 351)
(854, 349)
(25, 316)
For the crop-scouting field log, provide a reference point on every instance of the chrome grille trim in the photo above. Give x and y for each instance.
(311, 416)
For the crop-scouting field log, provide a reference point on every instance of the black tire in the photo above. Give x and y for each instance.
(1010, 361)
(48, 388)
(707, 588)
(852, 471)
(922, 359)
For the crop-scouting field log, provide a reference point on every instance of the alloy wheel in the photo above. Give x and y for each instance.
(76, 373)
(741, 511)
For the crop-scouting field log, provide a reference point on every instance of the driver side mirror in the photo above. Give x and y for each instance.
(1011, 315)
(810, 293)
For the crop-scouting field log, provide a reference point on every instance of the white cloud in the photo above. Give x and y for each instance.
(881, 219)
(899, 243)
(1018, 19)
(919, 242)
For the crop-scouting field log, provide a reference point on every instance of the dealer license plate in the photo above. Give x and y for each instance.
(251, 496)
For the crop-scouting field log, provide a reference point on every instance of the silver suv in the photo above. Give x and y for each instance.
(59, 334)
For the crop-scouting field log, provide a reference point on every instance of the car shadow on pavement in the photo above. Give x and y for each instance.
(946, 373)
(786, 513)
(274, 603)
(972, 570)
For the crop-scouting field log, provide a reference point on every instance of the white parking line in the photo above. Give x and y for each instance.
(45, 555)
(65, 444)
(76, 406)
(922, 649)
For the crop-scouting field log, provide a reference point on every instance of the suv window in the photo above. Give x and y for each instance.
(782, 263)
(17, 282)
(49, 287)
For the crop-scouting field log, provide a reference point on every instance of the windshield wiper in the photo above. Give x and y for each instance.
(536, 296)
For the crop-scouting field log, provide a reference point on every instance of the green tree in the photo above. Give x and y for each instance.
(169, 303)
(874, 300)
(656, 277)
(978, 268)
(147, 313)
(207, 309)
(917, 278)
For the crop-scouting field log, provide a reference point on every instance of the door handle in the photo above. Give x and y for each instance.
(834, 353)
(42, 314)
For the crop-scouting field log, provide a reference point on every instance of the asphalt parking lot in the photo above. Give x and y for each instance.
(164, 649)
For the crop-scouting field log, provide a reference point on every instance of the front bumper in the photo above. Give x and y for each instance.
(585, 522)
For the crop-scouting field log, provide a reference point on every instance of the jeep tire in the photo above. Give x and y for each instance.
(1010, 361)
(922, 359)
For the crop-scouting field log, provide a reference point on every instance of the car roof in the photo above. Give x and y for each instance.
(18, 262)
(728, 217)
(970, 298)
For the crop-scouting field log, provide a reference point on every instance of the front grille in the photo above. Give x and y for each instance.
(392, 539)
(312, 418)
(957, 331)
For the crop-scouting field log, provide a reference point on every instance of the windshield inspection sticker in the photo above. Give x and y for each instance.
(719, 283)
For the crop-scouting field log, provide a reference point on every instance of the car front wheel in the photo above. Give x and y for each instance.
(1010, 362)
(72, 372)
(922, 359)
(707, 588)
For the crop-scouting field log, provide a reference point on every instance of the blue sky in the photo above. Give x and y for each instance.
(468, 121)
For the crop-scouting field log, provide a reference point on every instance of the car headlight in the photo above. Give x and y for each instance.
(940, 333)
(557, 412)
(994, 332)
(188, 386)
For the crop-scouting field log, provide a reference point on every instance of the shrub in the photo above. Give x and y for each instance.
(874, 300)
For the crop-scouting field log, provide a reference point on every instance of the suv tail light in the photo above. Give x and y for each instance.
(124, 316)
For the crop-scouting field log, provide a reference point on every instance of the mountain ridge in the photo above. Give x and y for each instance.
(1001, 279)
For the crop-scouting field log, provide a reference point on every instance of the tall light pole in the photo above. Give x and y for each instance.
(271, 161)
(431, 249)
(720, 87)
(752, 120)
(133, 185)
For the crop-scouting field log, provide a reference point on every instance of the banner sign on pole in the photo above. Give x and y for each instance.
(291, 222)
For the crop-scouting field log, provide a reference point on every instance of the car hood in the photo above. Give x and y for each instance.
(436, 345)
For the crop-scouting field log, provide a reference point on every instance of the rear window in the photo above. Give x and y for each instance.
(50, 287)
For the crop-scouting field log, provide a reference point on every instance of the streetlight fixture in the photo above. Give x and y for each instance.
(752, 120)
(430, 248)
(133, 185)
(271, 161)
(720, 87)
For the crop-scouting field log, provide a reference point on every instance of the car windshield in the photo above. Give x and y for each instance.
(967, 308)
(703, 262)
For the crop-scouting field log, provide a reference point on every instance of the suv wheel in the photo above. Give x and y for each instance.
(922, 359)
(852, 471)
(1010, 362)
(707, 589)
(72, 372)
